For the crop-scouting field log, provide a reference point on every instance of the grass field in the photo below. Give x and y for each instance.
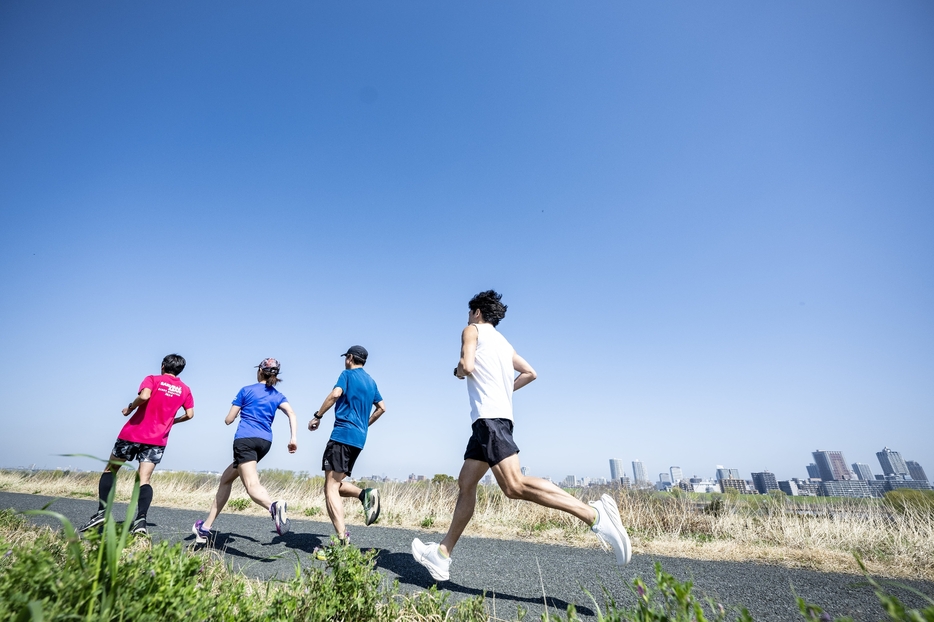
(893, 539)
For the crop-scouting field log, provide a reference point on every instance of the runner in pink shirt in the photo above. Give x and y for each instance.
(145, 435)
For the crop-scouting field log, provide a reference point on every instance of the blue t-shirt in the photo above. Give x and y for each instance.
(258, 404)
(353, 408)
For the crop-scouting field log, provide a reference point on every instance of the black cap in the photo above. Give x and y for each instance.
(358, 351)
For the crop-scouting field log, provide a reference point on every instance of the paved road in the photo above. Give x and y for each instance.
(512, 573)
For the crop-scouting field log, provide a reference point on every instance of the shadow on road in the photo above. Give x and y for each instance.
(411, 573)
(306, 542)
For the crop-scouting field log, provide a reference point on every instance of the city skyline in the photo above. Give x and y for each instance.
(833, 458)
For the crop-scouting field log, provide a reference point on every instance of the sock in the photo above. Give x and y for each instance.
(145, 500)
(103, 488)
(443, 554)
(361, 495)
(596, 520)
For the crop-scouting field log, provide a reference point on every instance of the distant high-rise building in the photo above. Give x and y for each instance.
(764, 482)
(863, 471)
(892, 462)
(837, 488)
(724, 473)
(916, 472)
(832, 466)
(638, 473)
(525, 471)
(728, 483)
(676, 474)
(664, 478)
(806, 487)
(788, 487)
(569, 482)
(616, 469)
(813, 471)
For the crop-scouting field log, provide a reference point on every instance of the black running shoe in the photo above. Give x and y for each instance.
(139, 526)
(94, 521)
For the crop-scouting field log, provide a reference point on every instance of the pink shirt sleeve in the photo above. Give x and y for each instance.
(189, 400)
(149, 382)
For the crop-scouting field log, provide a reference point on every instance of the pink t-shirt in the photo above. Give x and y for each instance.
(152, 421)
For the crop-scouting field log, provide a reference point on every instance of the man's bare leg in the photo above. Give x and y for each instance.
(223, 494)
(470, 475)
(334, 489)
(515, 485)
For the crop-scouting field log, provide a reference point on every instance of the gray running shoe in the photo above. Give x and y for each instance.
(94, 521)
(371, 505)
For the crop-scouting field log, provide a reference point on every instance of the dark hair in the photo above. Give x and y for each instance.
(357, 360)
(271, 376)
(173, 364)
(489, 305)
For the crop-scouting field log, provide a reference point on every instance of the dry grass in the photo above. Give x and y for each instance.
(816, 534)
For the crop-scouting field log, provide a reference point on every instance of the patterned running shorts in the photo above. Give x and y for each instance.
(129, 451)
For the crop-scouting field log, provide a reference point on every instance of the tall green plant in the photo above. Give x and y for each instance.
(101, 562)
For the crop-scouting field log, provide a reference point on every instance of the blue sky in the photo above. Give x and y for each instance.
(713, 224)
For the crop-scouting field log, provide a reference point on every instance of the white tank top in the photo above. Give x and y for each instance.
(490, 385)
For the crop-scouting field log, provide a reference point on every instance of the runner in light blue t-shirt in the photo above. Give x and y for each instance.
(358, 404)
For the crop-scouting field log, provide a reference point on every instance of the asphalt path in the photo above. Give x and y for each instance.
(513, 574)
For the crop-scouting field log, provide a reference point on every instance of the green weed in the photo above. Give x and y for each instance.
(312, 511)
(239, 504)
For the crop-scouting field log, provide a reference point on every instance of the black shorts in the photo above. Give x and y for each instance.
(491, 441)
(130, 451)
(250, 450)
(339, 457)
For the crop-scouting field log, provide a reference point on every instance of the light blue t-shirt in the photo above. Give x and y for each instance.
(353, 408)
(258, 404)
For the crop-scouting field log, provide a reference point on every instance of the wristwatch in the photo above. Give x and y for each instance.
(317, 417)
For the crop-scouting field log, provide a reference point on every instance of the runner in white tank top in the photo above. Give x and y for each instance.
(489, 364)
(490, 385)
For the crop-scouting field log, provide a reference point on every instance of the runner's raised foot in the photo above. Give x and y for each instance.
(279, 512)
(609, 529)
(370, 505)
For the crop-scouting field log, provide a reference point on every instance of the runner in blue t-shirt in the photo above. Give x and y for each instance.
(257, 405)
(355, 396)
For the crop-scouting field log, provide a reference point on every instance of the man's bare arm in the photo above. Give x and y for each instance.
(377, 412)
(526, 373)
(189, 414)
(329, 401)
(138, 401)
(469, 338)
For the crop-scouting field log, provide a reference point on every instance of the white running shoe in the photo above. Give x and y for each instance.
(428, 555)
(609, 529)
(279, 512)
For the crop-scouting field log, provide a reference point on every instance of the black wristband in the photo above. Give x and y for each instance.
(317, 417)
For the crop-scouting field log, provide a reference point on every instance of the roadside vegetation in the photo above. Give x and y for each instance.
(54, 576)
(893, 536)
